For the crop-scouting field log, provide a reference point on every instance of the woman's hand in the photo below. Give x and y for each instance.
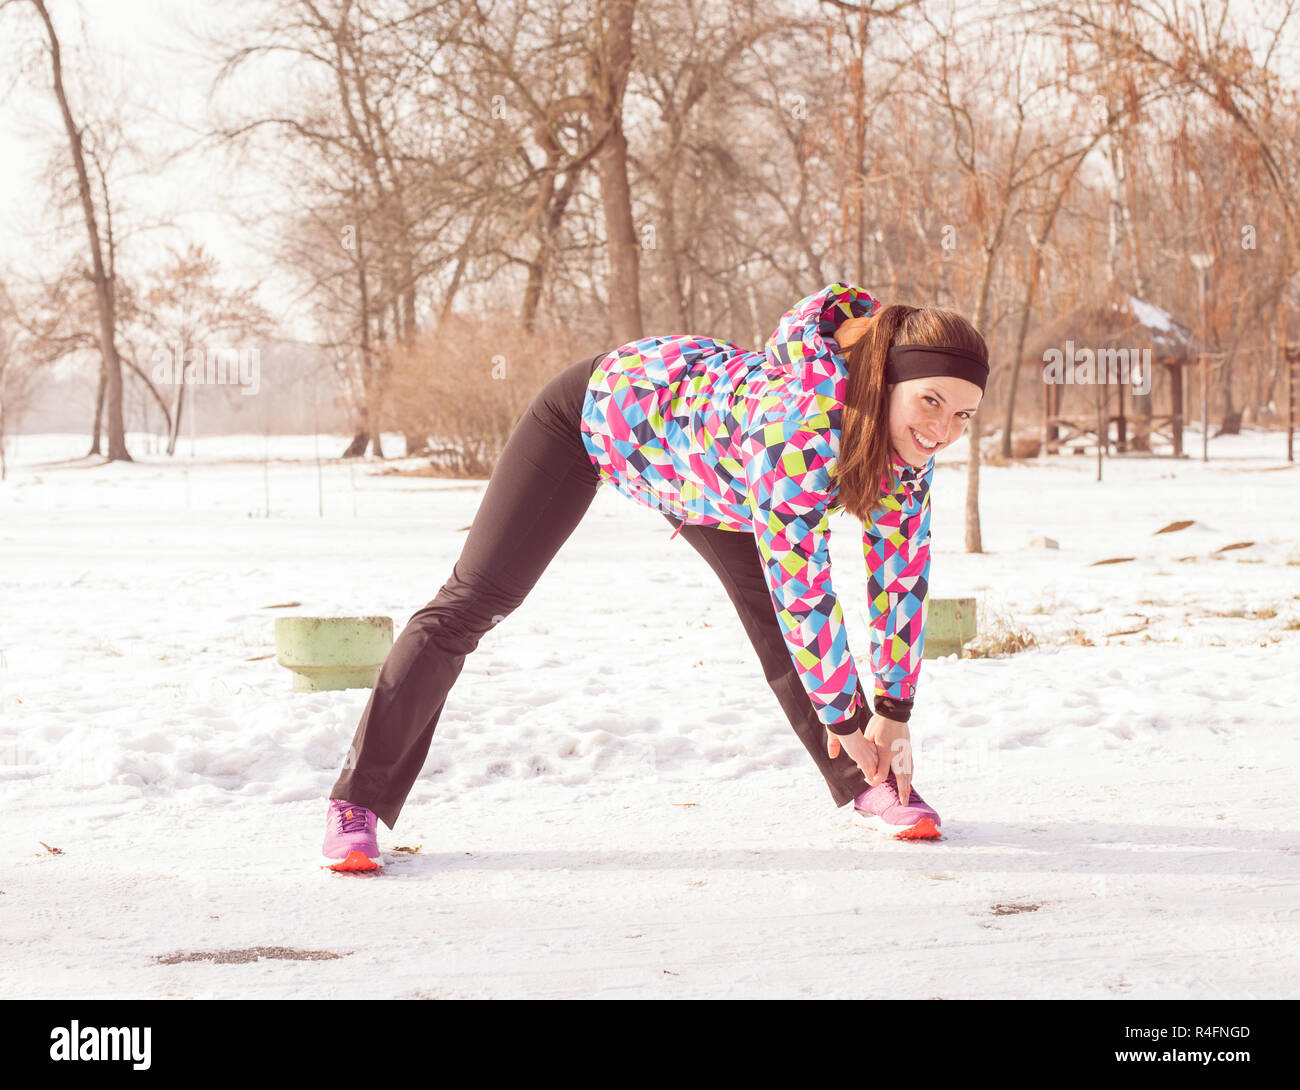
(851, 330)
(885, 742)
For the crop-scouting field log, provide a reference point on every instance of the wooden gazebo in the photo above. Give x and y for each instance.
(1121, 337)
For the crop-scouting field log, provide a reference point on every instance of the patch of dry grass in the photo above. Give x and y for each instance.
(998, 635)
(248, 954)
(1265, 614)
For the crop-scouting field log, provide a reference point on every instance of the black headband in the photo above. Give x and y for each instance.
(908, 361)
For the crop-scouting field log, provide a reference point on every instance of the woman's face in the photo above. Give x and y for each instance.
(927, 414)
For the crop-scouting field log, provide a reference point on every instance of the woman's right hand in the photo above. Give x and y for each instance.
(885, 742)
(851, 330)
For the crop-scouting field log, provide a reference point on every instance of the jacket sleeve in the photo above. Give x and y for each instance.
(787, 491)
(804, 339)
(896, 541)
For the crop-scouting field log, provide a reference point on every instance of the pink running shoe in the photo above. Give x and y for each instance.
(350, 841)
(880, 806)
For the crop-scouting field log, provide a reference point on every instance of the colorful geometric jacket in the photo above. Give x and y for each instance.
(720, 436)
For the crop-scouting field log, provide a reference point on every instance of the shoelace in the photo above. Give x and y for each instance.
(354, 824)
(892, 783)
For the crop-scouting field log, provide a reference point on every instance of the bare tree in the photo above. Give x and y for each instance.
(185, 315)
(999, 154)
(1208, 59)
(100, 270)
(692, 55)
(361, 234)
(857, 21)
(611, 63)
(1203, 49)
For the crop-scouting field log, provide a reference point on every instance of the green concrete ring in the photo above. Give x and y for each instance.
(949, 623)
(333, 652)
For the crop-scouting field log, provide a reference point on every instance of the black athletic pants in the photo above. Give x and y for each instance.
(540, 488)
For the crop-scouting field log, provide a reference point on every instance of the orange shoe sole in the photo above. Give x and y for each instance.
(356, 861)
(925, 829)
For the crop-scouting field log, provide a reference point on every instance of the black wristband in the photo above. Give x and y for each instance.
(898, 710)
(857, 721)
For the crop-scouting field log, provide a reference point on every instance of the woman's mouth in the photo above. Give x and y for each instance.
(923, 444)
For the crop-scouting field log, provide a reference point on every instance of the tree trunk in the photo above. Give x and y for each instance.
(613, 64)
(361, 438)
(99, 412)
(552, 206)
(533, 290)
(624, 253)
(178, 410)
(974, 539)
(1122, 243)
(117, 451)
(1031, 294)
(860, 114)
(671, 241)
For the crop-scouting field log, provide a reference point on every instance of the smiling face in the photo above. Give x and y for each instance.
(928, 414)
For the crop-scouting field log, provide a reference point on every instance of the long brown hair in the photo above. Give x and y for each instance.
(864, 431)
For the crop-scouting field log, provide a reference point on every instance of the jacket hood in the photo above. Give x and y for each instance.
(804, 340)
(804, 343)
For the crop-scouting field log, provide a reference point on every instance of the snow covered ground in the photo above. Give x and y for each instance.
(1120, 811)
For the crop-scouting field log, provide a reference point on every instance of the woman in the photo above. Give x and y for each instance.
(746, 454)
